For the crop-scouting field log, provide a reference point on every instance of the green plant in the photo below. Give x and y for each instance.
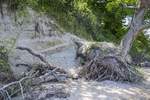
(4, 66)
(98, 20)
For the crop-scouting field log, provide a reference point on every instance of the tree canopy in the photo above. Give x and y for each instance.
(99, 20)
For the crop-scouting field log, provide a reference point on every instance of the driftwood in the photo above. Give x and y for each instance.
(11, 89)
(39, 74)
(3, 90)
(47, 68)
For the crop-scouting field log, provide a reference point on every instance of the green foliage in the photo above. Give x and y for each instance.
(6, 46)
(4, 66)
(87, 18)
(116, 3)
(140, 50)
(8, 43)
(99, 20)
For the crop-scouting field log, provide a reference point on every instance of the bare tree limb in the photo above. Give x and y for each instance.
(23, 64)
(14, 83)
(40, 56)
(9, 98)
(46, 77)
(21, 87)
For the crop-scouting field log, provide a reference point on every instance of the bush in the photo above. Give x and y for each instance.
(5, 70)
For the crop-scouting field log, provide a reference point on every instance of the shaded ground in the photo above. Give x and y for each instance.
(109, 90)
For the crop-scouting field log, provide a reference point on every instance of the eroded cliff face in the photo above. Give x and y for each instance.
(28, 22)
(38, 32)
(41, 34)
(26, 28)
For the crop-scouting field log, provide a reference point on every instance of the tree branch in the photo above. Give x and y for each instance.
(40, 56)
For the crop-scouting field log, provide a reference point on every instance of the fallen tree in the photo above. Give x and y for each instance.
(105, 61)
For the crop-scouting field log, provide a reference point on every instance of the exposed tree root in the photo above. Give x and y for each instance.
(106, 64)
(110, 68)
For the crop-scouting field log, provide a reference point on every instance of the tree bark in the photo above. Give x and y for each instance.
(135, 28)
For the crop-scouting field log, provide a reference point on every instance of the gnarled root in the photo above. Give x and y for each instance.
(110, 68)
(103, 62)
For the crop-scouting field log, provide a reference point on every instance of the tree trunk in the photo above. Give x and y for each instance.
(135, 28)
